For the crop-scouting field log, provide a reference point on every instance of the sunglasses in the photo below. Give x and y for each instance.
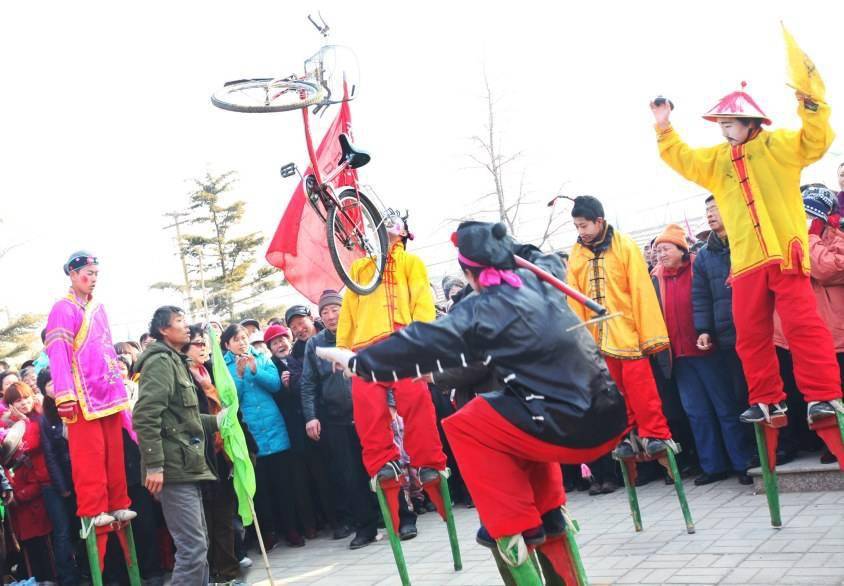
(199, 344)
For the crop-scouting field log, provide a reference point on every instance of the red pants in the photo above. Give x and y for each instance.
(372, 421)
(755, 296)
(96, 459)
(512, 476)
(635, 381)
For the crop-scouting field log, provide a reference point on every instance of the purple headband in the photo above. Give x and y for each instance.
(491, 276)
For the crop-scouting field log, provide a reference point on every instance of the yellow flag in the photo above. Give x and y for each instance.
(802, 73)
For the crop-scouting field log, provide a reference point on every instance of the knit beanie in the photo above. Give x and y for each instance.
(674, 234)
(818, 201)
(329, 297)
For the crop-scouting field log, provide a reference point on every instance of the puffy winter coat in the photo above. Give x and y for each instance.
(827, 254)
(326, 395)
(712, 297)
(166, 418)
(255, 392)
(28, 474)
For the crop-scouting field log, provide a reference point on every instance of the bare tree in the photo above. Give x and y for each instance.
(505, 205)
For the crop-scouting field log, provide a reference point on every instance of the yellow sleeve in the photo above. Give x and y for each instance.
(421, 297)
(697, 165)
(575, 278)
(346, 325)
(647, 315)
(803, 147)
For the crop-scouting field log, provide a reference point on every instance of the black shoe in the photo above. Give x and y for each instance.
(624, 450)
(554, 523)
(705, 478)
(744, 478)
(361, 540)
(428, 475)
(819, 410)
(608, 487)
(408, 531)
(755, 414)
(294, 539)
(583, 485)
(341, 532)
(535, 536)
(595, 488)
(484, 538)
(390, 471)
(429, 506)
(470, 504)
(419, 506)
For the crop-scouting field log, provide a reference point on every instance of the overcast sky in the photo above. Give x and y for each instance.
(106, 116)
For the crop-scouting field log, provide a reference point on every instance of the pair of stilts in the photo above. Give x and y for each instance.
(96, 539)
(830, 429)
(558, 559)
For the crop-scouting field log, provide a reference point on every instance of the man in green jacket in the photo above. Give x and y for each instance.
(171, 437)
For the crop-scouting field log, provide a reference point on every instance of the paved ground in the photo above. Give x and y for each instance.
(734, 544)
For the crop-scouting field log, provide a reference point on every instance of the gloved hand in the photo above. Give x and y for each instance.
(340, 357)
(817, 226)
(68, 411)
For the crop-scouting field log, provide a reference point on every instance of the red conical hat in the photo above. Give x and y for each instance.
(736, 105)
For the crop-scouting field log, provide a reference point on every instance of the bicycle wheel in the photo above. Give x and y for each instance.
(357, 241)
(267, 95)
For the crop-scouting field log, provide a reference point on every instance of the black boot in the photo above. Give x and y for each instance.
(361, 540)
(705, 478)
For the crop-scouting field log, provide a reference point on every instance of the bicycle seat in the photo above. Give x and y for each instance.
(357, 158)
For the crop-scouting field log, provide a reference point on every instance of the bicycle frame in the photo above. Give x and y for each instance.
(324, 188)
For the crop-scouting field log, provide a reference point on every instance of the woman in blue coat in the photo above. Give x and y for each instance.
(257, 381)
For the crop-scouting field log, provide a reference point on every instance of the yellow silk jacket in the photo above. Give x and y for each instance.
(618, 279)
(403, 296)
(757, 188)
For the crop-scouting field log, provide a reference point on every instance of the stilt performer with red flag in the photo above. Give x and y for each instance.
(509, 443)
(755, 178)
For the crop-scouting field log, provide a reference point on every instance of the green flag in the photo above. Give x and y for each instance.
(234, 441)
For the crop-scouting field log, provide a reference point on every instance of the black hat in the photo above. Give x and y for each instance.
(251, 322)
(296, 310)
(485, 244)
(586, 206)
(79, 259)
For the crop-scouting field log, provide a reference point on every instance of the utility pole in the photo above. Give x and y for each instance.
(176, 217)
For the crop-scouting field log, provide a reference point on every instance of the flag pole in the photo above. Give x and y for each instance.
(261, 541)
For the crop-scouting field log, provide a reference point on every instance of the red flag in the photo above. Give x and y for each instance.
(299, 247)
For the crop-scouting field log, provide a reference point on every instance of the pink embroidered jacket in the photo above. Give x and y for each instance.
(83, 363)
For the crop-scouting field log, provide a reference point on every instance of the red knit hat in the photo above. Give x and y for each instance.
(274, 331)
(674, 234)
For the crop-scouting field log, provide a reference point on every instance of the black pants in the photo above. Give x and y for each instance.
(356, 503)
(443, 408)
(274, 501)
(220, 504)
(38, 559)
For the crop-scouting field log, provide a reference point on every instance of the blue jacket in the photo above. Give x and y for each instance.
(260, 412)
(712, 297)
